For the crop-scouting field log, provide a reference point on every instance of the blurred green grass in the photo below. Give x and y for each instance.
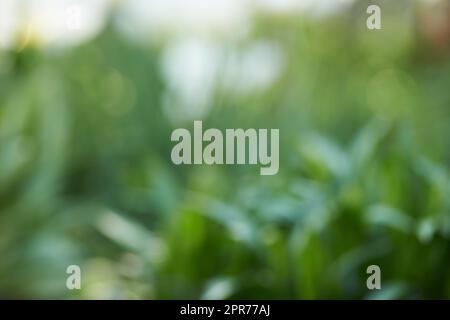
(86, 176)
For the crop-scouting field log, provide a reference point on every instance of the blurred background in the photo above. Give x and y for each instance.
(90, 91)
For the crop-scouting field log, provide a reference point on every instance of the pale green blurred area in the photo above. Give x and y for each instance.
(364, 116)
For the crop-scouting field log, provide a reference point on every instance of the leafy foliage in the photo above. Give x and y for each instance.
(86, 176)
